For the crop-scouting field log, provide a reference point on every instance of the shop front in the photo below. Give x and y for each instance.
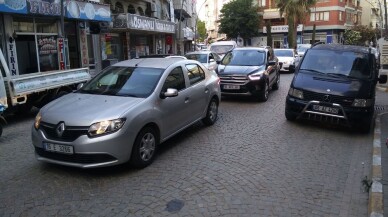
(36, 43)
(280, 35)
(188, 35)
(142, 36)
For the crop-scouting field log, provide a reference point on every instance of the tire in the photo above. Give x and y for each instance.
(145, 147)
(211, 113)
(366, 126)
(263, 95)
(290, 117)
(276, 85)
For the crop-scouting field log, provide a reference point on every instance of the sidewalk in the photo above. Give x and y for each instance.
(378, 195)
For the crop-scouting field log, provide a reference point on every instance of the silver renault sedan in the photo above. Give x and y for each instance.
(125, 112)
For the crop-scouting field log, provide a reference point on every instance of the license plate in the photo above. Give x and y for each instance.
(325, 109)
(65, 149)
(232, 87)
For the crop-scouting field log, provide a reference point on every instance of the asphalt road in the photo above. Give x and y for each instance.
(252, 162)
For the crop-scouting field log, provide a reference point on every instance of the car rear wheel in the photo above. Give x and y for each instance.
(211, 114)
(144, 148)
(263, 95)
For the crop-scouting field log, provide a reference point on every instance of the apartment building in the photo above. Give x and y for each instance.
(331, 18)
(372, 15)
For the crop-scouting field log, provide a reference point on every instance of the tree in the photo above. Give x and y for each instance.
(313, 37)
(239, 17)
(361, 35)
(269, 34)
(201, 30)
(295, 12)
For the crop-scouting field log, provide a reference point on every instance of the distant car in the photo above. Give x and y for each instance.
(301, 49)
(286, 58)
(222, 47)
(249, 71)
(207, 58)
(125, 112)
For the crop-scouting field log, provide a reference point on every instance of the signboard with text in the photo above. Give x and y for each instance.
(283, 28)
(137, 22)
(13, 6)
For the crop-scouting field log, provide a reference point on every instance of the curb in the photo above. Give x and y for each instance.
(376, 205)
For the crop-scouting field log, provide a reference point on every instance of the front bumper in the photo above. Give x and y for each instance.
(348, 116)
(249, 88)
(107, 150)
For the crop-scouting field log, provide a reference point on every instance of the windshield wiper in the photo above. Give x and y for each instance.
(313, 70)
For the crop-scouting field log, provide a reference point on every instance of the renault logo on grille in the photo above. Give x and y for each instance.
(60, 129)
(326, 98)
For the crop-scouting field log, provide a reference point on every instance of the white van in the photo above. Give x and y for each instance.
(222, 47)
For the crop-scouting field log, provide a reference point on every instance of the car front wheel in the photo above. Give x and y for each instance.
(263, 95)
(211, 114)
(276, 85)
(144, 148)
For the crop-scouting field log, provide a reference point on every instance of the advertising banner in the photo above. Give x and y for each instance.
(13, 6)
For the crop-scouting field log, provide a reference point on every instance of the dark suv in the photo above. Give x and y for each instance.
(249, 71)
(335, 83)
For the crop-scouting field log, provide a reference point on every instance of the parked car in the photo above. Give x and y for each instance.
(125, 112)
(286, 58)
(335, 83)
(249, 71)
(207, 58)
(301, 49)
(222, 47)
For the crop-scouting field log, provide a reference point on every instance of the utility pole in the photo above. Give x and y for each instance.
(385, 25)
(180, 29)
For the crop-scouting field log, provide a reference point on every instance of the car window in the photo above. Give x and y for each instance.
(175, 80)
(284, 53)
(347, 63)
(202, 58)
(195, 73)
(124, 81)
(221, 49)
(244, 58)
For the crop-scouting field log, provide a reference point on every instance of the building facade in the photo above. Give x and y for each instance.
(331, 18)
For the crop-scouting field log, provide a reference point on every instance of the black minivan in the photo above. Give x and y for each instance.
(337, 84)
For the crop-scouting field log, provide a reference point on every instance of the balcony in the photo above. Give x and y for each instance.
(187, 9)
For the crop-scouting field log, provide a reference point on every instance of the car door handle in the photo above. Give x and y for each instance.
(187, 99)
(207, 90)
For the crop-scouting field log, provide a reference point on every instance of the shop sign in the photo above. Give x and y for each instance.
(84, 48)
(12, 57)
(149, 24)
(61, 55)
(13, 6)
(120, 21)
(44, 7)
(283, 28)
(87, 11)
(47, 45)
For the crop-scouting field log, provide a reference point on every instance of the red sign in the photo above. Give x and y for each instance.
(61, 54)
(168, 40)
(108, 37)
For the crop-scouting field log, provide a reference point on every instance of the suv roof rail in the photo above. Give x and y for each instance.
(316, 43)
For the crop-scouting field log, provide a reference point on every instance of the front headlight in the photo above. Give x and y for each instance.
(38, 118)
(105, 127)
(255, 76)
(362, 102)
(296, 93)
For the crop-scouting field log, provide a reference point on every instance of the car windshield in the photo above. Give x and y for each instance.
(244, 58)
(221, 49)
(202, 58)
(343, 63)
(284, 53)
(124, 81)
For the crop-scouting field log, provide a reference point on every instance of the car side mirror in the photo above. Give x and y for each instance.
(211, 60)
(383, 79)
(171, 92)
(80, 85)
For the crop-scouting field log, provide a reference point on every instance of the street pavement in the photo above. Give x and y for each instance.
(252, 162)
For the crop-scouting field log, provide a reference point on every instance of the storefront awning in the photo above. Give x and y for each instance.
(136, 22)
(75, 9)
(16, 6)
(188, 34)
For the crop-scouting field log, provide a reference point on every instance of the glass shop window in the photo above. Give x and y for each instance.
(21, 24)
(46, 26)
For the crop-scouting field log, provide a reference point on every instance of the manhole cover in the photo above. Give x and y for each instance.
(174, 205)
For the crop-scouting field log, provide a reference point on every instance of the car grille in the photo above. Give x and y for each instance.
(344, 101)
(325, 119)
(75, 158)
(233, 79)
(70, 134)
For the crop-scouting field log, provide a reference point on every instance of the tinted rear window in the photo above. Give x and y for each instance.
(244, 58)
